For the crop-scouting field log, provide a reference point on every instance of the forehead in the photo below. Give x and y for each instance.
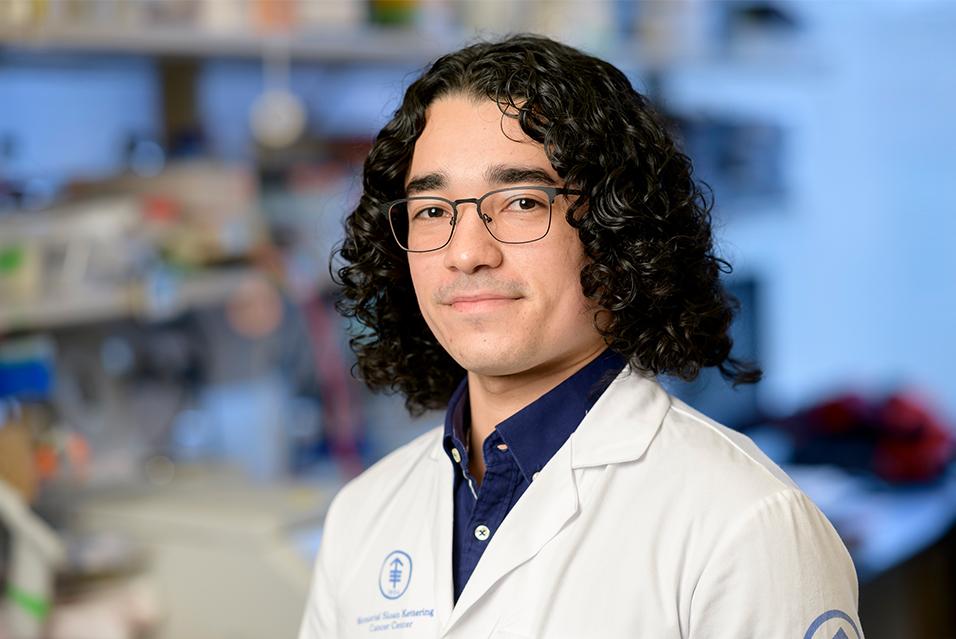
(463, 137)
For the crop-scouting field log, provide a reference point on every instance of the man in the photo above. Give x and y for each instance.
(530, 251)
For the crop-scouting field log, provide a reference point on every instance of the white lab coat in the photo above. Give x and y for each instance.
(652, 522)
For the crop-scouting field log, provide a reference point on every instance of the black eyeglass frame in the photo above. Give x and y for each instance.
(551, 191)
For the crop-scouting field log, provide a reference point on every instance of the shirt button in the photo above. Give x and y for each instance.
(482, 532)
(535, 476)
(456, 455)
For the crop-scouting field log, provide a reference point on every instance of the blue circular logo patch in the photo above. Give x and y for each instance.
(395, 575)
(841, 626)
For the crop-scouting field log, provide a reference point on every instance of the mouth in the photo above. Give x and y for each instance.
(480, 303)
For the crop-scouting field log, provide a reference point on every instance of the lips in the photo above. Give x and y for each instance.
(480, 298)
(480, 301)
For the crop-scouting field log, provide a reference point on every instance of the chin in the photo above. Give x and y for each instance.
(493, 361)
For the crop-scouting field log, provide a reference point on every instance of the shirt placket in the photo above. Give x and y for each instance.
(492, 500)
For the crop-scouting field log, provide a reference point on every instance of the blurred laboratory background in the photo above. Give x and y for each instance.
(177, 403)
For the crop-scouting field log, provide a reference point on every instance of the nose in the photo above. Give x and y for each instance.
(472, 247)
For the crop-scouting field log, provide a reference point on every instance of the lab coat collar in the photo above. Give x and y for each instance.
(620, 425)
(617, 429)
(535, 433)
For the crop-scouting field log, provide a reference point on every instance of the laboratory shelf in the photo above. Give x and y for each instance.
(175, 295)
(358, 45)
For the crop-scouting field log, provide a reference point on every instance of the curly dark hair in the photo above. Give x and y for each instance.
(644, 222)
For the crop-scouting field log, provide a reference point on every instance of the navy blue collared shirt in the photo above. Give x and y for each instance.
(514, 452)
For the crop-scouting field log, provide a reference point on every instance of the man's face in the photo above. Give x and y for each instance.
(498, 309)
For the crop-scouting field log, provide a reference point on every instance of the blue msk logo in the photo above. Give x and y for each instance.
(395, 575)
(842, 627)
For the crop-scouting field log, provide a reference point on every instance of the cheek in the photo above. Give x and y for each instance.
(416, 276)
(419, 278)
(424, 281)
(561, 285)
(418, 269)
(568, 266)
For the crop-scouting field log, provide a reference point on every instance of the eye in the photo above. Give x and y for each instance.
(524, 203)
(430, 212)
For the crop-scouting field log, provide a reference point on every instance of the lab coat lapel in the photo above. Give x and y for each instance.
(440, 534)
(547, 505)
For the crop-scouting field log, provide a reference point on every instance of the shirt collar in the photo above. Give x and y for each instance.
(456, 435)
(536, 432)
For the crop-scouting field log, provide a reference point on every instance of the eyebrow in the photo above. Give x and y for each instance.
(425, 183)
(498, 174)
(503, 174)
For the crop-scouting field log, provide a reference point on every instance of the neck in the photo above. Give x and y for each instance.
(493, 399)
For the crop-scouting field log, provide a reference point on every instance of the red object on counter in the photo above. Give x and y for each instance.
(915, 445)
(896, 437)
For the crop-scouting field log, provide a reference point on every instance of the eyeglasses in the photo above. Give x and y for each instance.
(514, 215)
